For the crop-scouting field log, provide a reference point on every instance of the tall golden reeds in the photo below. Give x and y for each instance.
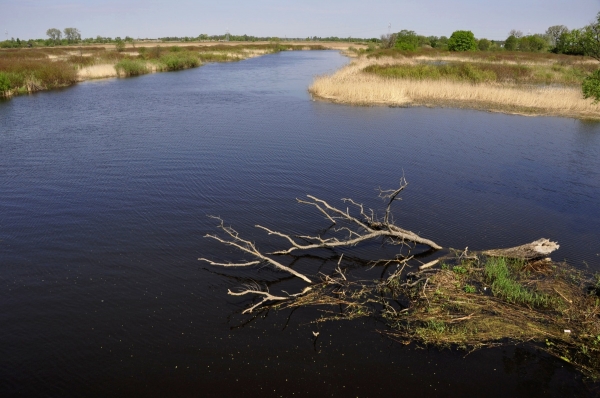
(352, 85)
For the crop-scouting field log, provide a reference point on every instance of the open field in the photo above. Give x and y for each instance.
(530, 84)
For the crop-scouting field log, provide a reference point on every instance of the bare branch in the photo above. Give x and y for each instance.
(428, 265)
(250, 248)
(391, 195)
(266, 296)
(231, 264)
(360, 206)
(318, 207)
(345, 215)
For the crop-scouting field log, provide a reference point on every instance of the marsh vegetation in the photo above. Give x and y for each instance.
(522, 83)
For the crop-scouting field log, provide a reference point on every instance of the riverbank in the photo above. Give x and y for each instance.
(25, 70)
(547, 86)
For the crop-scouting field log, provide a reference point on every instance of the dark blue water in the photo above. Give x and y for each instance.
(105, 189)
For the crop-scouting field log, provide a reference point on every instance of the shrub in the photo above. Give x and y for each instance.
(45, 73)
(591, 86)
(407, 40)
(462, 40)
(131, 67)
(180, 60)
(155, 52)
(120, 45)
(484, 44)
(511, 43)
(4, 83)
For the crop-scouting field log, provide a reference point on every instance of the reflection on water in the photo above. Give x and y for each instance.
(105, 191)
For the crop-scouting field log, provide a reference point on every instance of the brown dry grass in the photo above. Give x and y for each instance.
(101, 71)
(351, 85)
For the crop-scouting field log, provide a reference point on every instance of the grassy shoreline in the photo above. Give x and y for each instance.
(24, 71)
(534, 86)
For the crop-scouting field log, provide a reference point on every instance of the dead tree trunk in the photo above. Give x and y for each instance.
(531, 251)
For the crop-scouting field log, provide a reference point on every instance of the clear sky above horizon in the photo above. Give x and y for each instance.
(29, 19)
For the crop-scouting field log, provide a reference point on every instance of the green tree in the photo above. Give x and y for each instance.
(590, 39)
(423, 41)
(462, 40)
(484, 44)
(591, 86)
(407, 40)
(54, 34)
(524, 44)
(511, 43)
(442, 43)
(554, 32)
(72, 35)
(570, 43)
(537, 43)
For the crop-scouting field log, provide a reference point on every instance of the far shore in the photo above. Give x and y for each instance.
(26, 69)
(107, 70)
(354, 85)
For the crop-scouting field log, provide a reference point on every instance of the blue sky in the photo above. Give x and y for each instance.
(27, 19)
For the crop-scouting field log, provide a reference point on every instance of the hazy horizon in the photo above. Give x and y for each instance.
(29, 19)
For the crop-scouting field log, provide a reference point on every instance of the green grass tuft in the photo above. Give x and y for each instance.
(505, 285)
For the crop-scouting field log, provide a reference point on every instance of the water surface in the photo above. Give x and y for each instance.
(105, 191)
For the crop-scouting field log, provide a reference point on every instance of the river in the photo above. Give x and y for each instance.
(105, 192)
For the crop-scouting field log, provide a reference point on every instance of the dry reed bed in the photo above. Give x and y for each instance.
(351, 85)
(101, 71)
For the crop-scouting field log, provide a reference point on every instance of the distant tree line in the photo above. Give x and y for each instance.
(68, 36)
(557, 39)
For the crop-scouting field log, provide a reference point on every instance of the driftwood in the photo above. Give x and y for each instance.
(350, 230)
(358, 229)
(530, 251)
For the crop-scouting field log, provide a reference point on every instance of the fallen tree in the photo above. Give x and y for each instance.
(461, 298)
(360, 228)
